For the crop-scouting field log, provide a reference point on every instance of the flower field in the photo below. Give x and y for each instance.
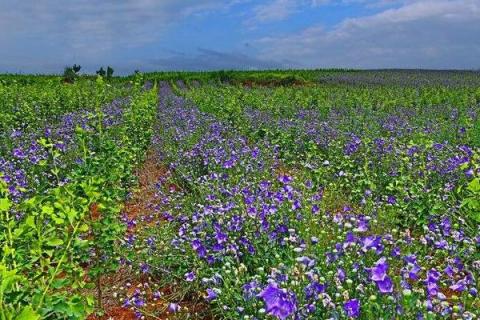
(242, 195)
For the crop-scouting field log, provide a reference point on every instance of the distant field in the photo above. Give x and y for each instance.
(299, 194)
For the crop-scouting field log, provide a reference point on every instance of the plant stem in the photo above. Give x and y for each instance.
(57, 267)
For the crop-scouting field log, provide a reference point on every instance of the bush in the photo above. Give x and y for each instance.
(109, 72)
(101, 72)
(71, 73)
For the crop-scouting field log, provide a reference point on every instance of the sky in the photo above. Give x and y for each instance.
(43, 36)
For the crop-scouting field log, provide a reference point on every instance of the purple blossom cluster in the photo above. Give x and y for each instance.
(324, 231)
(27, 164)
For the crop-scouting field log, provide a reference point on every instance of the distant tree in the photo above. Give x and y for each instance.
(76, 68)
(71, 73)
(101, 72)
(109, 72)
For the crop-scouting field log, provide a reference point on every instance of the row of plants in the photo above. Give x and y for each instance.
(360, 109)
(30, 107)
(348, 77)
(34, 114)
(57, 243)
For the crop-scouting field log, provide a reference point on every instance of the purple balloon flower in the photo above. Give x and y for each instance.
(211, 294)
(279, 302)
(379, 271)
(173, 307)
(352, 308)
(385, 285)
(190, 276)
(379, 275)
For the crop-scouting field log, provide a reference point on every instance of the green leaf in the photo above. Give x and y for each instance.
(71, 215)
(55, 242)
(47, 209)
(28, 314)
(5, 204)
(57, 220)
(60, 283)
(474, 185)
(30, 221)
(83, 228)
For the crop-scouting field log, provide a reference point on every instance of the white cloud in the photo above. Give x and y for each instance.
(92, 27)
(277, 10)
(428, 34)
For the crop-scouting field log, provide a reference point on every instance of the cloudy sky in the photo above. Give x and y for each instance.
(42, 36)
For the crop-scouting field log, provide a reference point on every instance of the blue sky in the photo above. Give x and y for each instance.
(42, 36)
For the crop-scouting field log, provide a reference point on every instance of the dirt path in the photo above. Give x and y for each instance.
(138, 211)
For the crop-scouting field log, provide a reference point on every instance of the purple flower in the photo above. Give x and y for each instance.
(449, 271)
(341, 274)
(446, 225)
(379, 275)
(396, 252)
(306, 261)
(196, 244)
(229, 163)
(249, 289)
(285, 179)
(391, 200)
(279, 302)
(221, 237)
(379, 271)
(469, 172)
(313, 289)
(190, 276)
(19, 153)
(432, 277)
(173, 307)
(211, 294)
(385, 285)
(144, 268)
(352, 308)
(349, 239)
(127, 303)
(459, 286)
(371, 242)
(139, 302)
(473, 292)
(362, 225)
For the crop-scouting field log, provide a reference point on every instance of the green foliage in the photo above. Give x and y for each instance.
(47, 239)
(105, 74)
(100, 72)
(471, 193)
(76, 68)
(64, 235)
(109, 72)
(70, 74)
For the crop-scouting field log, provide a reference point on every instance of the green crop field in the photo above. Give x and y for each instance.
(294, 194)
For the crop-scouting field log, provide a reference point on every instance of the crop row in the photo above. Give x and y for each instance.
(60, 231)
